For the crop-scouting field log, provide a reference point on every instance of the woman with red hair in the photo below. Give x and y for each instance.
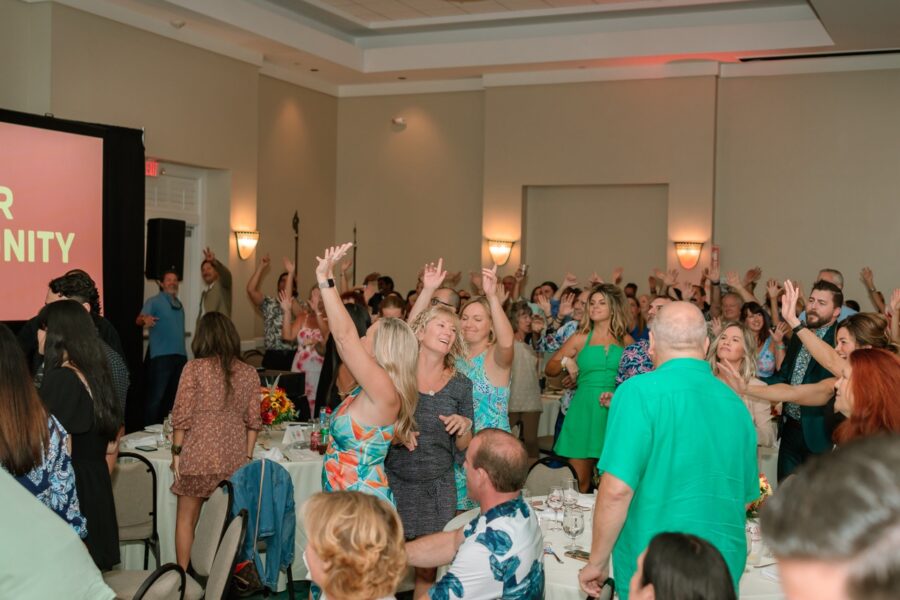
(868, 392)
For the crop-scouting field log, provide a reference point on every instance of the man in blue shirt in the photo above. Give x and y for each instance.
(163, 315)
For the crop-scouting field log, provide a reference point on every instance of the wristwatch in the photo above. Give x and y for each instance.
(800, 326)
(328, 283)
(176, 449)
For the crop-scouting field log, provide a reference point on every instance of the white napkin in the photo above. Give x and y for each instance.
(144, 440)
(273, 454)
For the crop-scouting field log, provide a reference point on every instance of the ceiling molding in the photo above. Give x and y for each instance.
(411, 87)
(300, 79)
(810, 65)
(699, 69)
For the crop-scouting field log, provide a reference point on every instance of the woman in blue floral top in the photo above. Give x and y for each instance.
(33, 445)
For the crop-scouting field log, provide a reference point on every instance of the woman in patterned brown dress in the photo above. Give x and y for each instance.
(216, 419)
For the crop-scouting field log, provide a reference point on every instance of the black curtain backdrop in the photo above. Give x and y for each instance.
(123, 236)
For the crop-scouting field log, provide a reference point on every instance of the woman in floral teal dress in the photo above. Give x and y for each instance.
(381, 410)
(489, 335)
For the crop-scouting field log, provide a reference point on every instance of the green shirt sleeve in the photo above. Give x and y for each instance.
(629, 437)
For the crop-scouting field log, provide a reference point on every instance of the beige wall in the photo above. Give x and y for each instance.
(297, 172)
(414, 192)
(561, 232)
(24, 56)
(196, 108)
(616, 133)
(808, 173)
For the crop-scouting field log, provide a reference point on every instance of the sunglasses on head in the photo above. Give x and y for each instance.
(435, 302)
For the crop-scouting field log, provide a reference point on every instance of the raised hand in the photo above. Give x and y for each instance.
(671, 277)
(519, 275)
(544, 302)
(264, 262)
(733, 279)
(569, 280)
(713, 274)
(895, 301)
(789, 304)
(617, 275)
(595, 279)
(566, 305)
(289, 266)
(772, 288)
(489, 281)
(687, 290)
(285, 300)
(433, 275)
(475, 278)
(780, 331)
(715, 326)
(752, 276)
(867, 277)
(333, 255)
(452, 279)
(345, 266)
(208, 254)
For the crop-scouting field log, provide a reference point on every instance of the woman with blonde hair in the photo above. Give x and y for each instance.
(489, 336)
(592, 356)
(382, 407)
(421, 472)
(736, 347)
(355, 549)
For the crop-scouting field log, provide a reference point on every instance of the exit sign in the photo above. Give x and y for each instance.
(151, 168)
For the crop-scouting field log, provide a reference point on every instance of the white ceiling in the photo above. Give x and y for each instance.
(358, 47)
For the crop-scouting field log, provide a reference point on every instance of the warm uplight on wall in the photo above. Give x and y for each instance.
(688, 253)
(246, 243)
(500, 251)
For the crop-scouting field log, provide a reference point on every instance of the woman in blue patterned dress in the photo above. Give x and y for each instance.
(381, 410)
(489, 335)
(32, 442)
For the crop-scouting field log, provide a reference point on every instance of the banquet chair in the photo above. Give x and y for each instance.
(546, 473)
(134, 493)
(165, 583)
(222, 569)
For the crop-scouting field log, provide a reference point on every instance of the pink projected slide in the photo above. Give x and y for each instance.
(51, 213)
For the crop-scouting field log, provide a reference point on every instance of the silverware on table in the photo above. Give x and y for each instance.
(548, 549)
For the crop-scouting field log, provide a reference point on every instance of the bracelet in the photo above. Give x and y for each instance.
(176, 449)
(873, 290)
(781, 347)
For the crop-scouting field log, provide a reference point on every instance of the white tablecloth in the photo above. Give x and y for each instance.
(305, 468)
(547, 424)
(561, 580)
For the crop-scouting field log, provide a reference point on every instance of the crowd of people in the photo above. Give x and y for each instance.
(667, 398)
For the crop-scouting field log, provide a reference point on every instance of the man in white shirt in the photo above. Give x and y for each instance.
(499, 554)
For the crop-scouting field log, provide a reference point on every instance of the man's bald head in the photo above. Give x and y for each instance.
(503, 457)
(679, 331)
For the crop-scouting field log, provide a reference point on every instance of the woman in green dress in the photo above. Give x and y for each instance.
(591, 357)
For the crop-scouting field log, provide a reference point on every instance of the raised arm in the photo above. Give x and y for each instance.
(568, 352)
(773, 290)
(823, 354)
(289, 328)
(368, 373)
(432, 278)
(257, 297)
(868, 279)
(895, 316)
(503, 331)
(807, 394)
(734, 282)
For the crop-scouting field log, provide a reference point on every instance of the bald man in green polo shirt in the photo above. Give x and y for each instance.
(680, 456)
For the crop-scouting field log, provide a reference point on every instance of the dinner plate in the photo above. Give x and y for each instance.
(154, 428)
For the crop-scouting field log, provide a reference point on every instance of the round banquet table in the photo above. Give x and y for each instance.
(304, 467)
(561, 579)
(550, 405)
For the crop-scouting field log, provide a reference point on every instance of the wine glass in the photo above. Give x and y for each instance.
(555, 501)
(570, 493)
(573, 525)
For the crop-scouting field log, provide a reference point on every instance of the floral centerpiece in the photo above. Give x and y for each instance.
(765, 490)
(276, 407)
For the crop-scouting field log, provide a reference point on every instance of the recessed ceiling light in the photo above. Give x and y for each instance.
(314, 70)
(177, 24)
(401, 78)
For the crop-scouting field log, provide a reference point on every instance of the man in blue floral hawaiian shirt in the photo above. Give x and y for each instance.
(499, 553)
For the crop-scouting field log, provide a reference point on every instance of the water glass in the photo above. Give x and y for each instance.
(555, 501)
(570, 493)
(573, 525)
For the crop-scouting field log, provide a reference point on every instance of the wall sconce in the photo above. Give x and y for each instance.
(500, 251)
(246, 243)
(688, 254)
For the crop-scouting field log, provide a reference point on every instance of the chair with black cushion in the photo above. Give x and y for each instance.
(134, 492)
(546, 473)
(165, 583)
